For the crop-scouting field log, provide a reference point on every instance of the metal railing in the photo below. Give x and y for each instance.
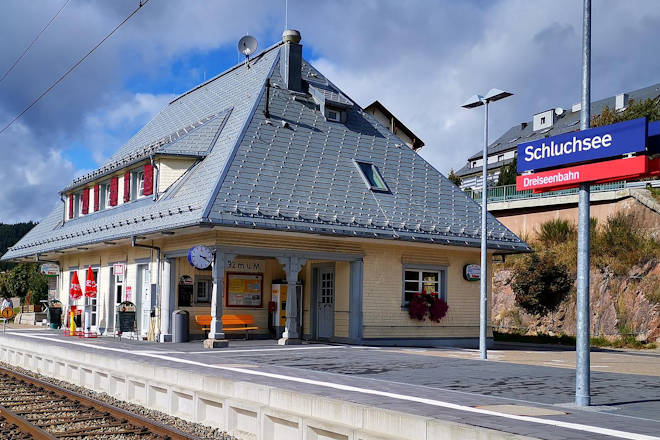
(508, 193)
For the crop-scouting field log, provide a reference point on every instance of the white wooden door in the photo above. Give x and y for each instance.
(145, 300)
(326, 303)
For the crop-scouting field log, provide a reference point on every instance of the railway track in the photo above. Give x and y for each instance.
(33, 409)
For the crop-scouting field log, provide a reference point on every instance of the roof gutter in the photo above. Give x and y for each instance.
(158, 271)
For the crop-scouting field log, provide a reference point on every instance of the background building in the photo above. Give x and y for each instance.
(547, 123)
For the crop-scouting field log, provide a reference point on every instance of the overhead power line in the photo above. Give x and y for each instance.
(61, 78)
(33, 41)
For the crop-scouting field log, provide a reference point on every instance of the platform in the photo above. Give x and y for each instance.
(257, 389)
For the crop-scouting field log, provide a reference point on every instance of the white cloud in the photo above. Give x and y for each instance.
(420, 58)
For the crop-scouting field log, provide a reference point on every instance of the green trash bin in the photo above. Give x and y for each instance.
(54, 314)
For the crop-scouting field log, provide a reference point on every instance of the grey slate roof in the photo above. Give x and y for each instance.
(299, 176)
(569, 121)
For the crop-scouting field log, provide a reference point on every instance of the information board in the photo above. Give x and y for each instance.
(244, 290)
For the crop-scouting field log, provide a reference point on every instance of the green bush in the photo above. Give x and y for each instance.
(540, 284)
(555, 232)
(621, 244)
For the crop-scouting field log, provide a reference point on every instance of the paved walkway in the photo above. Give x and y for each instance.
(519, 390)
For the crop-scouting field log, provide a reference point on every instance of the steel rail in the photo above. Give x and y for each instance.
(25, 426)
(136, 420)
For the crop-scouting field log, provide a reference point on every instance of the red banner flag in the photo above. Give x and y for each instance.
(75, 292)
(90, 284)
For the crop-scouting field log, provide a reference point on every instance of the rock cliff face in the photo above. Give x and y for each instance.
(629, 305)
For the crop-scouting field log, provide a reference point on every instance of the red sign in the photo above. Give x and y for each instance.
(600, 172)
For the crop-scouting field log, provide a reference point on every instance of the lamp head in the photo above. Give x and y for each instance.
(474, 101)
(496, 95)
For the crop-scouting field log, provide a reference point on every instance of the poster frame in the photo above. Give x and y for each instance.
(241, 306)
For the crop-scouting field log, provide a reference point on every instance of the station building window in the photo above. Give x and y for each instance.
(416, 280)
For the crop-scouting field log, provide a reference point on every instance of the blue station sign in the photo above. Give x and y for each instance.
(583, 146)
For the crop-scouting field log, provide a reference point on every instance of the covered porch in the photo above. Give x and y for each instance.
(258, 282)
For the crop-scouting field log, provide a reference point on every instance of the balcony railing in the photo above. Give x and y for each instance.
(508, 193)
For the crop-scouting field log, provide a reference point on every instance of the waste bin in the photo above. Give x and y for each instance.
(54, 314)
(180, 323)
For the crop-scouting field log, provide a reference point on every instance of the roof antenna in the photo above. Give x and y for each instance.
(247, 45)
(286, 14)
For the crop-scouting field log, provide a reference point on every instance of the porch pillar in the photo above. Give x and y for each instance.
(216, 337)
(355, 302)
(292, 266)
(165, 307)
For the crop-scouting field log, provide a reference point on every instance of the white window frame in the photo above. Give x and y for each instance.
(104, 195)
(337, 114)
(137, 184)
(77, 205)
(441, 272)
(209, 286)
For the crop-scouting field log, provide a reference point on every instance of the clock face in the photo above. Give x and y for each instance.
(200, 257)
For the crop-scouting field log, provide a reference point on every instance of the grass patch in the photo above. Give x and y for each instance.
(627, 341)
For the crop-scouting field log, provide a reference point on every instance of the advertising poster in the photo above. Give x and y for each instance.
(244, 290)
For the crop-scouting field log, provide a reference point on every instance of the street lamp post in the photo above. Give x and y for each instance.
(477, 101)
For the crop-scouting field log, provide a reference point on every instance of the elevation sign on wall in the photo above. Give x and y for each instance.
(583, 146)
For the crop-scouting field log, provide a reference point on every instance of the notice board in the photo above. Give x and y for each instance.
(244, 290)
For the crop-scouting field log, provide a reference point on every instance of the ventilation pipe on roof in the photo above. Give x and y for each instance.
(621, 101)
(291, 60)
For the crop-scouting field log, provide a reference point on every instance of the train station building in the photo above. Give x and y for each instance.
(291, 185)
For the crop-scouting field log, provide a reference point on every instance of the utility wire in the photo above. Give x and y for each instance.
(59, 80)
(33, 41)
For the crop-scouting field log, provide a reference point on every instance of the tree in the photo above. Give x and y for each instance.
(540, 284)
(9, 236)
(453, 178)
(24, 278)
(649, 109)
(508, 173)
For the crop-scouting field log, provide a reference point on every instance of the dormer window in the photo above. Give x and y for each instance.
(104, 195)
(77, 199)
(372, 177)
(334, 116)
(137, 187)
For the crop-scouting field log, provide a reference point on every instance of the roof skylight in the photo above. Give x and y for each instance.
(372, 177)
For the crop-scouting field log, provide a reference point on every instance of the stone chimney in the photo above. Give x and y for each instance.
(291, 60)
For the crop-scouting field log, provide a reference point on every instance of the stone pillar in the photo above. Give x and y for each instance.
(216, 337)
(165, 307)
(292, 266)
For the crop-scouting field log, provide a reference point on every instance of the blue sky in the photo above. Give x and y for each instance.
(421, 58)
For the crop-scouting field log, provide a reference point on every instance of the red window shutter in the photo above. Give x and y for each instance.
(148, 179)
(114, 191)
(70, 206)
(85, 201)
(97, 204)
(127, 187)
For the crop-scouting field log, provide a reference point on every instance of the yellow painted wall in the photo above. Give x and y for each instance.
(170, 169)
(383, 285)
(382, 279)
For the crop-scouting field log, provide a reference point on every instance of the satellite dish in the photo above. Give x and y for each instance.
(559, 111)
(247, 45)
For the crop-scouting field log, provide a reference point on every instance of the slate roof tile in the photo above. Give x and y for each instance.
(257, 173)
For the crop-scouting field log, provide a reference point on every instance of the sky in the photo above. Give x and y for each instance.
(421, 58)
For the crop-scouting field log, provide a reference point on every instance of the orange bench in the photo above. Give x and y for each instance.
(230, 323)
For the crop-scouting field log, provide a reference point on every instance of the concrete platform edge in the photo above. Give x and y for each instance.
(244, 409)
